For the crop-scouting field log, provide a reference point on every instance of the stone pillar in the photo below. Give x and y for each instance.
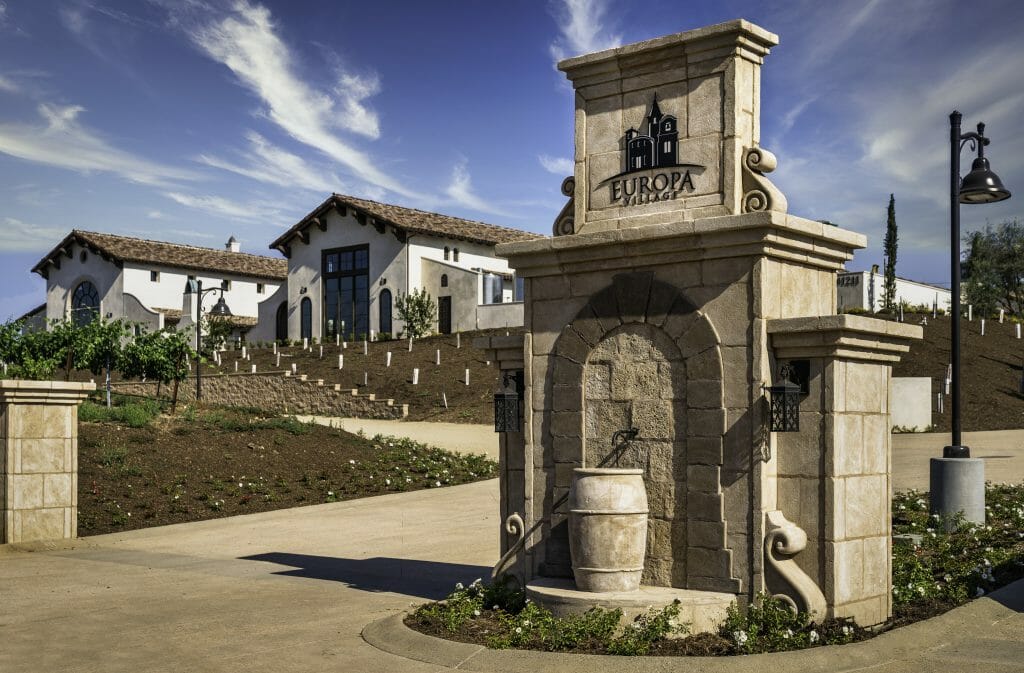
(515, 462)
(835, 478)
(39, 459)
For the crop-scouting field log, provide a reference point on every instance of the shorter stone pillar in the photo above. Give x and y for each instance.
(39, 459)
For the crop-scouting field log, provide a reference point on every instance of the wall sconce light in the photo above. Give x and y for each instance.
(383, 282)
(784, 403)
(508, 403)
(302, 290)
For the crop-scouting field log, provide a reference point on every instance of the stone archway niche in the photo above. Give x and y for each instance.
(635, 378)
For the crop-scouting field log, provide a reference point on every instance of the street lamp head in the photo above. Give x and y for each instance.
(981, 185)
(220, 309)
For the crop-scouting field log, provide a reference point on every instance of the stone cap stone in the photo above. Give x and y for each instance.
(507, 351)
(751, 37)
(770, 233)
(851, 337)
(19, 391)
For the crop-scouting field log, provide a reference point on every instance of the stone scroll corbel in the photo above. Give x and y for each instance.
(514, 525)
(759, 194)
(784, 540)
(565, 223)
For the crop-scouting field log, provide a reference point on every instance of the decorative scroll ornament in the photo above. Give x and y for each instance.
(514, 525)
(565, 223)
(759, 194)
(784, 540)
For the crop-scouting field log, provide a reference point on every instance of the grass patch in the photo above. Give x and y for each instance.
(133, 412)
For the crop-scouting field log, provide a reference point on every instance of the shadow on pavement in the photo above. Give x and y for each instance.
(426, 579)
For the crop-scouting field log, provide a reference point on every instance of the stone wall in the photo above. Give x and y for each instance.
(278, 393)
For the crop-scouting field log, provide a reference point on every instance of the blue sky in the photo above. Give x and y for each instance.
(192, 120)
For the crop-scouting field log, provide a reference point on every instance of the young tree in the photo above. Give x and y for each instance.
(993, 269)
(890, 244)
(418, 310)
(100, 346)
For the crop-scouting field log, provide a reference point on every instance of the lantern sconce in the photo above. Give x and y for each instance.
(508, 403)
(784, 401)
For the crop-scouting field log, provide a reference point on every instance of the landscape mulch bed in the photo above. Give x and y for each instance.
(217, 462)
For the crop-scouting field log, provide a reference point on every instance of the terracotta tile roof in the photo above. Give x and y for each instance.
(170, 314)
(127, 249)
(409, 220)
(173, 315)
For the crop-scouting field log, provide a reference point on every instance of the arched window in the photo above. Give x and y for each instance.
(447, 253)
(384, 325)
(85, 304)
(281, 332)
(444, 280)
(455, 255)
(306, 315)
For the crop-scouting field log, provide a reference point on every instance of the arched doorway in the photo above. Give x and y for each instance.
(306, 316)
(384, 324)
(281, 330)
(85, 304)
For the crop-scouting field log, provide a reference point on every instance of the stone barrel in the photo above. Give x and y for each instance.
(607, 528)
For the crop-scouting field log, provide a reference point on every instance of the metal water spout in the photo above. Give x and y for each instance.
(626, 436)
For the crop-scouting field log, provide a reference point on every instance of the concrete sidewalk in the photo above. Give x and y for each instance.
(291, 591)
(458, 437)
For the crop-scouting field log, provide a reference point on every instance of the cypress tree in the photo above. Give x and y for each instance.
(889, 287)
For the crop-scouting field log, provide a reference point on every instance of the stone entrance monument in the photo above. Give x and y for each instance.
(674, 289)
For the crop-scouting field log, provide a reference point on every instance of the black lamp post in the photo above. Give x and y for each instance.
(981, 185)
(220, 309)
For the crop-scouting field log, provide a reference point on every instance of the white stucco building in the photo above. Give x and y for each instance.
(143, 281)
(349, 259)
(865, 290)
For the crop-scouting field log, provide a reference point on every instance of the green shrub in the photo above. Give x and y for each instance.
(770, 625)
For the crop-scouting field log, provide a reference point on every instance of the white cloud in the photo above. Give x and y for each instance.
(583, 29)
(63, 142)
(268, 163)
(460, 191)
(3, 13)
(155, 215)
(219, 206)
(352, 90)
(7, 85)
(557, 165)
(246, 42)
(18, 236)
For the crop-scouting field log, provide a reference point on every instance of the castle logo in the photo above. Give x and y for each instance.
(654, 157)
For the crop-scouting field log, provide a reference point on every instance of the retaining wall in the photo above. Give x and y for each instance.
(277, 392)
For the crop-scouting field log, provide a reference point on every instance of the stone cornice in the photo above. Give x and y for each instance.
(738, 36)
(848, 337)
(770, 234)
(43, 392)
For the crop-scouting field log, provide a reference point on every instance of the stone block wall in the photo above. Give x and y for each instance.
(278, 393)
(39, 459)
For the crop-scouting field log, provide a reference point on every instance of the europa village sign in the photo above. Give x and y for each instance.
(652, 168)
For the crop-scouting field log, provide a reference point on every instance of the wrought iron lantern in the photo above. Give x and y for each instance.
(508, 404)
(784, 403)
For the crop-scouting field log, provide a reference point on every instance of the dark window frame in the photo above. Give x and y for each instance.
(355, 271)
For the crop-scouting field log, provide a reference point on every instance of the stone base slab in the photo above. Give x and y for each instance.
(704, 611)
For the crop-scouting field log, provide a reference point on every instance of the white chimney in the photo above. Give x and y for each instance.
(232, 245)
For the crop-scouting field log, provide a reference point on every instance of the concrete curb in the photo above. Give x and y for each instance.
(916, 642)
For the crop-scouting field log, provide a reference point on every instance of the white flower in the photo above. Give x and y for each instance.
(979, 592)
(437, 483)
(494, 607)
(740, 637)
(519, 630)
(847, 630)
(330, 493)
(788, 634)
(239, 484)
(476, 613)
(458, 585)
(814, 636)
(351, 462)
(387, 481)
(526, 622)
